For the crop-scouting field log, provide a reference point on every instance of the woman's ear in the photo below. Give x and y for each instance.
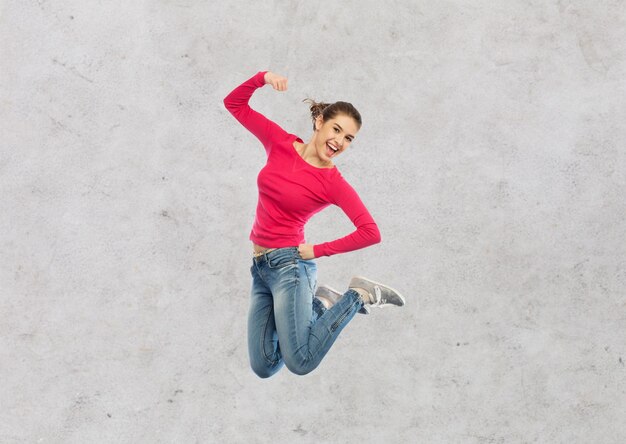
(319, 121)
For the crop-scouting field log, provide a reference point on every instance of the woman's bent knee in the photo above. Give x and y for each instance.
(265, 371)
(299, 369)
(264, 374)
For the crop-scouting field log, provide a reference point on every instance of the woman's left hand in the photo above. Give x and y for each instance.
(306, 251)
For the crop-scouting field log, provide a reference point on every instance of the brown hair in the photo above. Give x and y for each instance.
(330, 110)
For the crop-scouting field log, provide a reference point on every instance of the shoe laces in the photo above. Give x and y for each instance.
(378, 300)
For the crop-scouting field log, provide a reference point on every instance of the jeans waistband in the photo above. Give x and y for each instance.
(274, 252)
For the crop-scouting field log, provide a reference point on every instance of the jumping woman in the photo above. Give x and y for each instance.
(290, 320)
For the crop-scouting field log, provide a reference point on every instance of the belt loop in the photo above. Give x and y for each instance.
(269, 250)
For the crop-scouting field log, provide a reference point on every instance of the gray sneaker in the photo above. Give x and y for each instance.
(331, 296)
(381, 295)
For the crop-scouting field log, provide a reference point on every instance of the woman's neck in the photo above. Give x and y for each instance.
(309, 154)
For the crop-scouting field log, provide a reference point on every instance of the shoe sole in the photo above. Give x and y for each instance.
(333, 297)
(361, 279)
(363, 310)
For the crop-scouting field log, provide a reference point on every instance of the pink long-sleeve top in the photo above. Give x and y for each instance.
(291, 190)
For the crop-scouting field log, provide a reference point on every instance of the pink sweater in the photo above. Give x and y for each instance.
(291, 190)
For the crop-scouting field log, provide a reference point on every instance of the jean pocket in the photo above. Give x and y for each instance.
(284, 259)
(310, 270)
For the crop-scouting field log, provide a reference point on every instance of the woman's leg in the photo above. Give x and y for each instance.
(263, 348)
(304, 338)
(318, 309)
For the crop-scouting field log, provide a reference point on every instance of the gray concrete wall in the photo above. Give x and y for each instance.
(492, 156)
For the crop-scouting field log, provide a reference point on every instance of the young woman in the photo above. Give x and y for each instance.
(286, 323)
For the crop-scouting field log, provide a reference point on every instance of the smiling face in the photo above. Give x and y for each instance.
(334, 136)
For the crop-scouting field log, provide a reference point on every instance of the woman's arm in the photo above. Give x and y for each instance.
(237, 104)
(366, 233)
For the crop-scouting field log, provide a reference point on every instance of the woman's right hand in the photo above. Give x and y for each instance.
(279, 83)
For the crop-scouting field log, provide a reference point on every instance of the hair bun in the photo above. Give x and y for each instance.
(328, 110)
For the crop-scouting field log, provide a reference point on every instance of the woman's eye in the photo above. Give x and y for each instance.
(336, 130)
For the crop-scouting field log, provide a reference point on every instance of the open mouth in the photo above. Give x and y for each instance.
(331, 149)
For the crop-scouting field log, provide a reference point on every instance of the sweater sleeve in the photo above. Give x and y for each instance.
(237, 104)
(366, 233)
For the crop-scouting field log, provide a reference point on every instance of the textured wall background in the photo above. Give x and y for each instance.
(492, 155)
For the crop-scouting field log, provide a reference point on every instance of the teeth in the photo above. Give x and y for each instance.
(332, 147)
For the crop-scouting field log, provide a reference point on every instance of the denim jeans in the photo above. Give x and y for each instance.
(286, 324)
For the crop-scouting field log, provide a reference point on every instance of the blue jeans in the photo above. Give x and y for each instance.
(286, 324)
